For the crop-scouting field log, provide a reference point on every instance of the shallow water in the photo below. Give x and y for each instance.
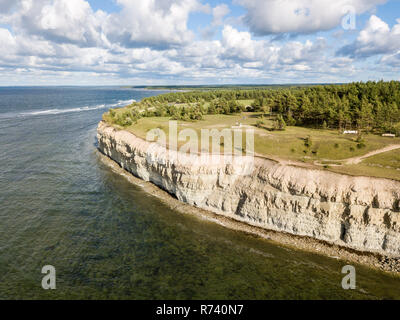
(108, 239)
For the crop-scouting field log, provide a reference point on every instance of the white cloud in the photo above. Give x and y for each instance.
(7, 41)
(71, 21)
(219, 13)
(297, 52)
(8, 48)
(151, 40)
(240, 46)
(154, 23)
(149, 23)
(237, 54)
(376, 38)
(300, 16)
(61, 21)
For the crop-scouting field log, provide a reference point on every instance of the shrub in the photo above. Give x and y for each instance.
(280, 124)
(361, 145)
(290, 120)
(308, 142)
(260, 122)
(359, 138)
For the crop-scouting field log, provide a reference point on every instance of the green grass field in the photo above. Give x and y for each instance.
(385, 165)
(385, 160)
(325, 151)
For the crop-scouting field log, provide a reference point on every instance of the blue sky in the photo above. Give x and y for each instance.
(155, 42)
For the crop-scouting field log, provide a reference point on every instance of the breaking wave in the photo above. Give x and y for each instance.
(120, 103)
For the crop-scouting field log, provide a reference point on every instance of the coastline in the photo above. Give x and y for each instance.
(344, 217)
(307, 244)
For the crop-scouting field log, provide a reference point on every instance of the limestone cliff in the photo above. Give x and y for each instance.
(361, 213)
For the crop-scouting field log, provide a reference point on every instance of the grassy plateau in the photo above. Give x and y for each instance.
(322, 148)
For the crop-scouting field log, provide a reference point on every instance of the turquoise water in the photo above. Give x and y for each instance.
(108, 239)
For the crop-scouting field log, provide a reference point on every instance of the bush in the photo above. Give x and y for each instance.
(290, 120)
(360, 139)
(280, 124)
(260, 122)
(308, 142)
(125, 119)
(361, 145)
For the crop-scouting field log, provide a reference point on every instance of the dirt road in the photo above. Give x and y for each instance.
(357, 160)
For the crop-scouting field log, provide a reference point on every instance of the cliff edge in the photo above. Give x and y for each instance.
(359, 213)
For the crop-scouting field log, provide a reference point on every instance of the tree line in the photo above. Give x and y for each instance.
(369, 106)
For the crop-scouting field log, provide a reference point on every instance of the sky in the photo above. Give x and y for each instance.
(193, 42)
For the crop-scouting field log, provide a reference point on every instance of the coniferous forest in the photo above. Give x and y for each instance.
(370, 106)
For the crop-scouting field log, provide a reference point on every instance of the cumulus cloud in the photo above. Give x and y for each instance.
(256, 53)
(61, 21)
(300, 16)
(376, 38)
(154, 23)
(8, 48)
(296, 52)
(237, 54)
(241, 45)
(151, 40)
(7, 41)
(219, 13)
(150, 23)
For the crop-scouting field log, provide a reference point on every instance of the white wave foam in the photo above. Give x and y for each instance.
(120, 103)
(60, 111)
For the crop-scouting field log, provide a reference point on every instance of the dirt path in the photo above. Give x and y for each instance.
(354, 160)
(357, 160)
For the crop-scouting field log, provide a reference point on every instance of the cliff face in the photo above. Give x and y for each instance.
(356, 212)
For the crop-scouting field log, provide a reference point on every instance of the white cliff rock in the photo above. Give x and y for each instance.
(360, 213)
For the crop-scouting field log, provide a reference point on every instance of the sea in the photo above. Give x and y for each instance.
(106, 238)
